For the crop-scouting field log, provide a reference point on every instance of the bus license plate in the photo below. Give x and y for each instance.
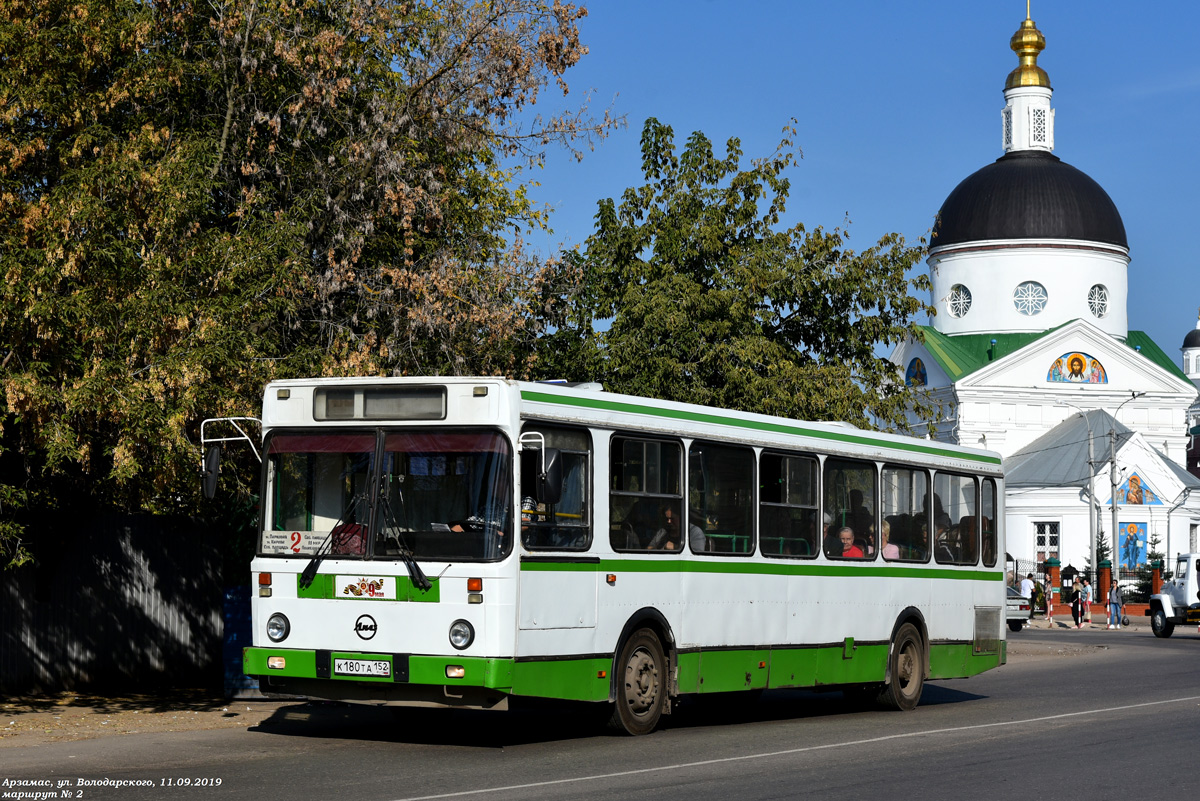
(362, 667)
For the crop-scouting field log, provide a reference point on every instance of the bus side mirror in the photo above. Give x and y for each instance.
(549, 484)
(211, 469)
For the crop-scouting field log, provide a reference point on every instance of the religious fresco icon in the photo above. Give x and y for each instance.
(915, 375)
(1133, 544)
(1077, 368)
(1135, 492)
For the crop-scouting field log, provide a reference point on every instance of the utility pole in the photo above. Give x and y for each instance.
(1112, 442)
(1112, 436)
(1093, 507)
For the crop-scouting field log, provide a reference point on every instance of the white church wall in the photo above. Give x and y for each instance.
(992, 271)
(1025, 508)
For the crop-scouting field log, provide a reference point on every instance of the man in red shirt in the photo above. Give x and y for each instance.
(849, 549)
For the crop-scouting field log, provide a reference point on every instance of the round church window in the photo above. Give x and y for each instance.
(959, 301)
(1098, 300)
(1030, 298)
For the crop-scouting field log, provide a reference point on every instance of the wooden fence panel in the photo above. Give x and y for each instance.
(113, 603)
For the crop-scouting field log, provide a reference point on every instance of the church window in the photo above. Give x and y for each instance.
(1047, 540)
(959, 301)
(1098, 300)
(1030, 298)
(1008, 128)
(1038, 126)
(1187, 364)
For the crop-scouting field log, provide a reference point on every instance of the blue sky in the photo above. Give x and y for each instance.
(898, 102)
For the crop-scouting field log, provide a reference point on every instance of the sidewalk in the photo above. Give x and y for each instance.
(32, 720)
(1062, 618)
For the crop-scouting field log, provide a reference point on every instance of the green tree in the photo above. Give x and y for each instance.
(195, 199)
(1103, 552)
(708, 300)
(1145, 571)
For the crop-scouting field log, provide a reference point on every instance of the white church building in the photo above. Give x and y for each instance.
(1031, 354)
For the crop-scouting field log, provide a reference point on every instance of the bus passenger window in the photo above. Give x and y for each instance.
(787, 510)
(645, 496)
(988, 523)
(565, 525)
(720, 499)
(956, 532)
(850, 531)
(904, 530)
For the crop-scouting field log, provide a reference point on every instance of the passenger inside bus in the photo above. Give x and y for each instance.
(890, 550)
(849, 549)
(667, 536)
(944, 546)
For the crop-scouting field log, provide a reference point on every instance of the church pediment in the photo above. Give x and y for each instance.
(1077, 358)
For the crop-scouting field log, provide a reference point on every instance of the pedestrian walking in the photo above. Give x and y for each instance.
(1077, 604)
(1027, 591)
(1087, 601)
(1115, 604)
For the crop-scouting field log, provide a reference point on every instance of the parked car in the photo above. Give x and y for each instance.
(1018, 609)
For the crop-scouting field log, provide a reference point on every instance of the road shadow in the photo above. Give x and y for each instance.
(544, 721)
(418, 726)
(173, 700)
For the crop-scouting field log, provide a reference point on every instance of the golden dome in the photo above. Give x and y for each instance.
(1027, 42)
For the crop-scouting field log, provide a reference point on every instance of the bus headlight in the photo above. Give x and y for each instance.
(462, 634)
(278, 627)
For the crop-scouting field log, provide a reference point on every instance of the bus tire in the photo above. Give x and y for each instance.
(906, 670)
(641, 687)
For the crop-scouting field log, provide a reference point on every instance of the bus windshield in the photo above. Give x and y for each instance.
(436, 495)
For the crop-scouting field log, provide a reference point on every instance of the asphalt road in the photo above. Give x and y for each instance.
(1089, 714)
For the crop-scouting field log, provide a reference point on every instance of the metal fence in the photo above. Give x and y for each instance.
(116, 601)
(1136, 582)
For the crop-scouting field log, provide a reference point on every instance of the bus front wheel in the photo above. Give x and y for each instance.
(641, 684)
(906, 669)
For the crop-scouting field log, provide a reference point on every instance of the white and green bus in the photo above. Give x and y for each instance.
(465, 541)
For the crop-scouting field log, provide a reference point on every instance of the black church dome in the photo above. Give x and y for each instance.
(1192, 340)
(1028, 194)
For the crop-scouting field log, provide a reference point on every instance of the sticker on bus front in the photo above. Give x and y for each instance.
(362, 667)
(367, 587)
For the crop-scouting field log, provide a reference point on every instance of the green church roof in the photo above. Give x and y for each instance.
(962, 355)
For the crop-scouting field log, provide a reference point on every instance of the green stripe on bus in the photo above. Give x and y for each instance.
(669, 564)
(958, 660)
(757, 425)
(565, 679)
(711, 671)
(323, 588)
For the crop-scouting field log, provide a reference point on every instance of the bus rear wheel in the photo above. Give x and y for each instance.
(906, 669)
(641, 684)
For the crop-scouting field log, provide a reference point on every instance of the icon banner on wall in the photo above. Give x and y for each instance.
(1133, 544)
(1077, 368)
(1136, 492)
(915, 375)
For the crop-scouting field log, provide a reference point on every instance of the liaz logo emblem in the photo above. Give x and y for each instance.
(365, 627)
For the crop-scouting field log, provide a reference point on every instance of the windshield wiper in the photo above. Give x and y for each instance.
(310, 570)
(415, 574)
